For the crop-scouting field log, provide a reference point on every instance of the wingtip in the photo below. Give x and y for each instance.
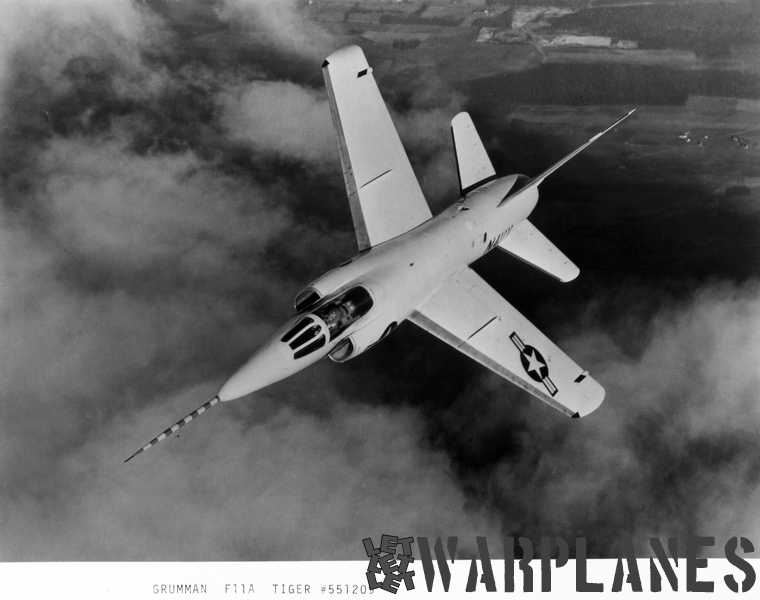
(461, 115)
(351, 56)
(571, 274)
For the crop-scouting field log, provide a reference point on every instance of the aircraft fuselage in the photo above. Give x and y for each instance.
(397, 276)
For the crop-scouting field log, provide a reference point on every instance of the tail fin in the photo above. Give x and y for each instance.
(540, 178)
(473, 165)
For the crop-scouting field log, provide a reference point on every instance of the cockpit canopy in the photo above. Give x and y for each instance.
(342, 311)
(308, 334)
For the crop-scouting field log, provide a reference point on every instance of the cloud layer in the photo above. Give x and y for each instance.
(161, 205)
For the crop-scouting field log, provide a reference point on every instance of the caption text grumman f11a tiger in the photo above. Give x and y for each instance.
(412, 265)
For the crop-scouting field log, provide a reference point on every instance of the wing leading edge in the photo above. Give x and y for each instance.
(471, 316)
(383, 192)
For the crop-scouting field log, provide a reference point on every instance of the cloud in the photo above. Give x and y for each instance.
(40, 37)
(134, 210)
(282, 117)
(281, 22)
(256, 490)
(91, 373)
(157, 217)
(671, 452)
(134, 276)
(294, 121)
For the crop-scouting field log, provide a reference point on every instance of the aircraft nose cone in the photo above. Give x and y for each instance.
(269, 364)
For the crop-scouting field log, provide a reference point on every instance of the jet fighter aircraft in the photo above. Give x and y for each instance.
(414, 266)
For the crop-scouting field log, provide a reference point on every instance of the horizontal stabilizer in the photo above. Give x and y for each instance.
(473, 165)
(528, 244)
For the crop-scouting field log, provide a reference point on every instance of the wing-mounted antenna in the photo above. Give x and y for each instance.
(176, 427)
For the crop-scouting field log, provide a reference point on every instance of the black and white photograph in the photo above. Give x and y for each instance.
(278, 276)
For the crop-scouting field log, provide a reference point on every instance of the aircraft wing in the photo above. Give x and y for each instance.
(383, 192)
(474, 168)
(471, 316)
(528, 244)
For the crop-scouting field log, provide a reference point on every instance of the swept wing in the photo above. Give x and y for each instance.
(472, 317)
(383, 192)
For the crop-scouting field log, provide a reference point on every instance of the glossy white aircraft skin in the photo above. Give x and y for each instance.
(400, 274)
(414, 266)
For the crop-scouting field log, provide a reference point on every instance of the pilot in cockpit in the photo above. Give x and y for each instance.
(341, 312)
(336, 316)
(331, 317)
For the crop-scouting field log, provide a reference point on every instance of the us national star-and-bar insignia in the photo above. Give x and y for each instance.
(534, 364)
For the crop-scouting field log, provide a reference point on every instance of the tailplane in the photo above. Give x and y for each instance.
(528, 244)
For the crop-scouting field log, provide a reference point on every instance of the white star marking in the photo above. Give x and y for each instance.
(535, 364)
